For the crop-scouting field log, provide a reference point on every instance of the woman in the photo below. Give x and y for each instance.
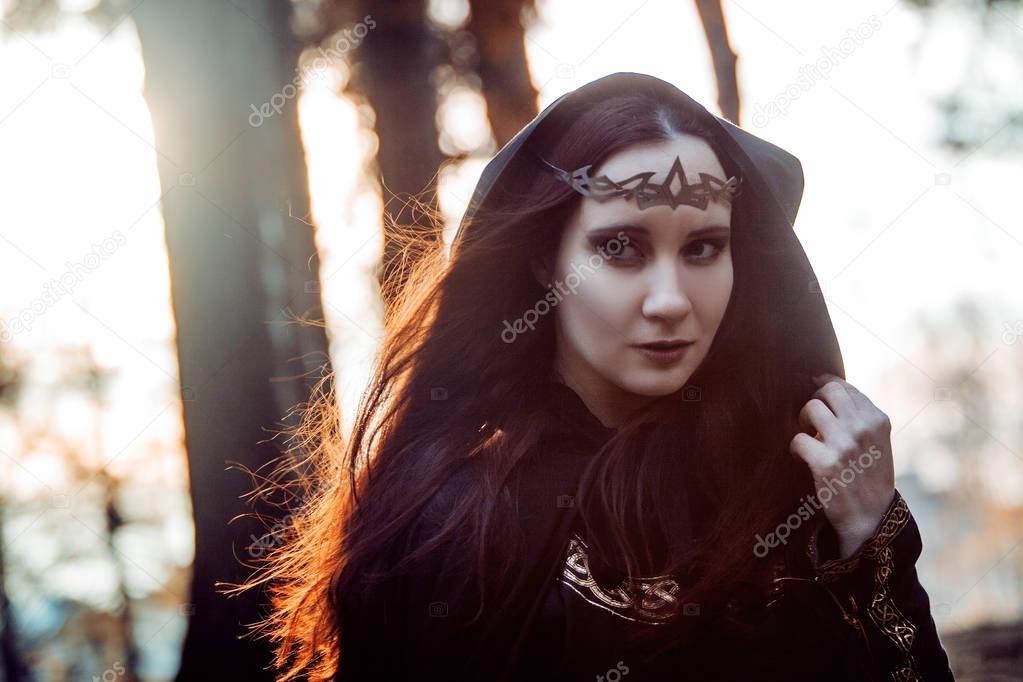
(608, 436)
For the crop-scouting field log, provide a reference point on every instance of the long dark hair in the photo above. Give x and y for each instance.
(449, 397)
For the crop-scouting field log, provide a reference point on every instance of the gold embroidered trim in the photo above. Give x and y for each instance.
(645, 600)
(882, 609)
(836, 567)
(892, 523)
(905, 674)
(889, 619)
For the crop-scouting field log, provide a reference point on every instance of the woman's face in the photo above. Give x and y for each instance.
(665, 275)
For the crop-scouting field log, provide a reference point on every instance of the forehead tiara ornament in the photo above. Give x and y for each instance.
(674, 191)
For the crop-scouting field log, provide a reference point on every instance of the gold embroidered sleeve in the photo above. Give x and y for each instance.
(879, 596)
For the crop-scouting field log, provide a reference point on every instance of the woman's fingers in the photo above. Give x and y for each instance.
(810, 450)
(837, 396)
(856, 397)
(817, 417)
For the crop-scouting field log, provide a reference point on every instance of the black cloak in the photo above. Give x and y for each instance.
(862, 618)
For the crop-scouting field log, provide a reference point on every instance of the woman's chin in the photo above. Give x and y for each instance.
(656, 384)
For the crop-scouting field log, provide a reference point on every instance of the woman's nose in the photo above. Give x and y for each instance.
(666, 296)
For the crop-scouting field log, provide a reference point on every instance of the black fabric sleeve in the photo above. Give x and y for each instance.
(878, 597)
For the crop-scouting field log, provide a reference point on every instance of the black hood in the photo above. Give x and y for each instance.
(772, 175)
(802, 337)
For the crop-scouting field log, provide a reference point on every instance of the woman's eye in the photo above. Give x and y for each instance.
(615, 250)
(703, 250)
(706, 249)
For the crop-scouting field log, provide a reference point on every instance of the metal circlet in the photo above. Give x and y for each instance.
(647, 193)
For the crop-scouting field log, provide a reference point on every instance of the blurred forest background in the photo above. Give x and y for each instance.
(183, 181)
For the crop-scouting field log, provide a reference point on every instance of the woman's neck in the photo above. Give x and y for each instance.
(611, 407)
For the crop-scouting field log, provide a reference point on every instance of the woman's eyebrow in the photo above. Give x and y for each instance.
(642, 230)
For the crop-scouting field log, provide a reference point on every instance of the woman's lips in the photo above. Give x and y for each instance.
(664, 353)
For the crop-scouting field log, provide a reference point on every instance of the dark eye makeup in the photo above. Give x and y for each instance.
(631, 253)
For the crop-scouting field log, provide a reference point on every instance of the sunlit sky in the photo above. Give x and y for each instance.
(895, 226)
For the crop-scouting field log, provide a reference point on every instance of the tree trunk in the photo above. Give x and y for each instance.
(394, 69)
(500, 36)
(12, 668)
(219, 83)
(724, 58)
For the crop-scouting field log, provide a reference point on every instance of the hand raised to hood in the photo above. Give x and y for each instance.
(850, 458)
